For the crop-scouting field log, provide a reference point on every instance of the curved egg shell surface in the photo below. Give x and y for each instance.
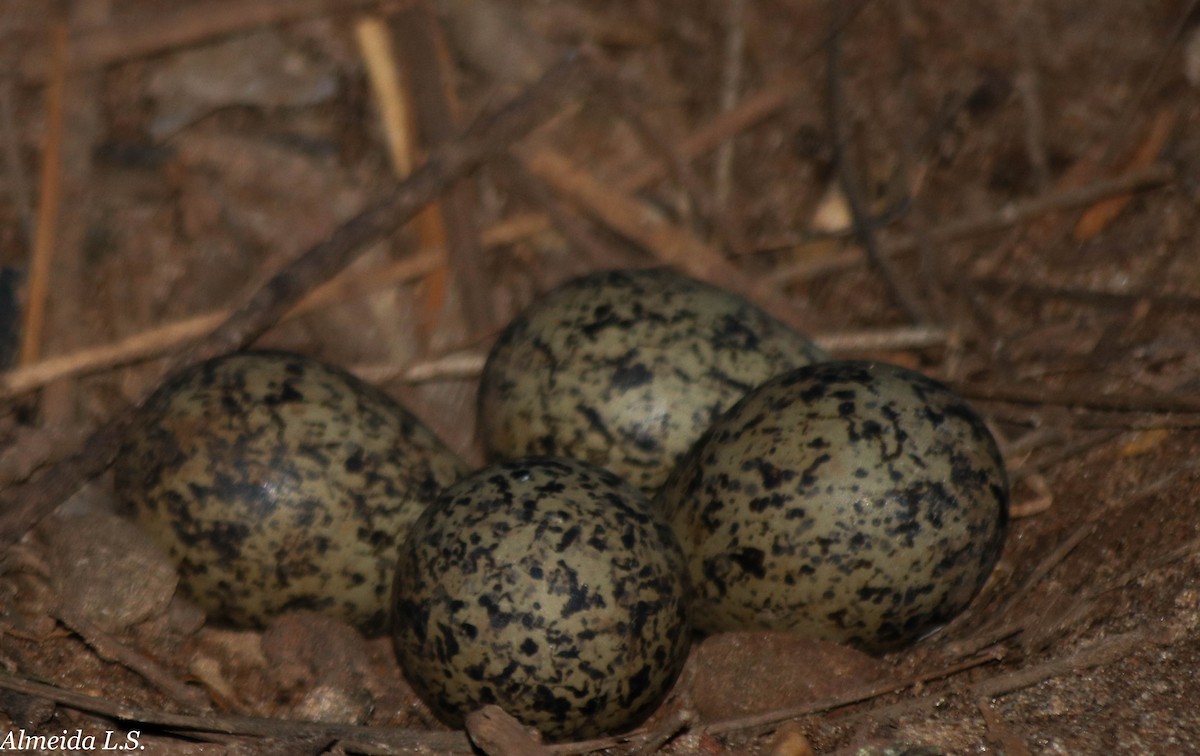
(277, 482)
(549, 587)
(850, 501)
(626, 369)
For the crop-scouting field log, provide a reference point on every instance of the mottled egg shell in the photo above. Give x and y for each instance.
(850, 501)
(549, 587)
(626, 369)
(278, 483)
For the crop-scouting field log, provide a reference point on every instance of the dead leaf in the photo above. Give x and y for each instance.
(1097, 217)
(1145, 442)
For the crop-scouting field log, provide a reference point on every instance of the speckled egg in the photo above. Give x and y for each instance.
(549, 587)
(280, 483)
(850, 501)
(626, 369)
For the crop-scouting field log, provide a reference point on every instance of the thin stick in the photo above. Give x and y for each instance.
(377, 740)
(1129, 402)
(569, 223)
(1072, 450)
(397, 738)
(1100, 653)
(444, 166)
(846, 179)
(929, 266)
(670, 243)
(14, 167)
(158, 341)
(111, 650)
(1126, 421)
(469, 364)
(1097, 654)
(1096, 297)
(1009, 215)
(611, 85)
(749, 111)
(1017, 212)
(752, 109)
(49, 202)
(396, 96)
(1142, 569)
(1028, 29)
(148, 33)
(375, 46)
(1137, 105)
(514, 228)
(459, 365)
(735, 42)
(436, 112)
(1060, 553)
(1047, 565)
(907, 337)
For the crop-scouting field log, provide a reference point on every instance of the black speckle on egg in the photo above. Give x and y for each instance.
(850, 501)
(579, 582)
(626, 369)
(277, 482)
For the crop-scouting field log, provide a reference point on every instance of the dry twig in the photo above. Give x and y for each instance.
(393, 739)
(669, 243)
(158, 341)
(162, 339)
(880, 339)
(1097, 654)
(435, 111)
(1123, 402)
(731, 81)
(752, 109)
(1029, 29)
(111, 650)
(838, 125)
(147, 33)
(611, 86)
(49, 203)
(1004, 217)
(14, 168)
(1093, 296)
(1137, 104)
(569, 223)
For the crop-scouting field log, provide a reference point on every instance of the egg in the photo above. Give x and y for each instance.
(625, 369)
(276, 482)
(851, 501)
(549, 587)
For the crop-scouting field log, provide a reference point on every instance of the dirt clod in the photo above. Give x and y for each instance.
(107, 572)
(739, 674)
